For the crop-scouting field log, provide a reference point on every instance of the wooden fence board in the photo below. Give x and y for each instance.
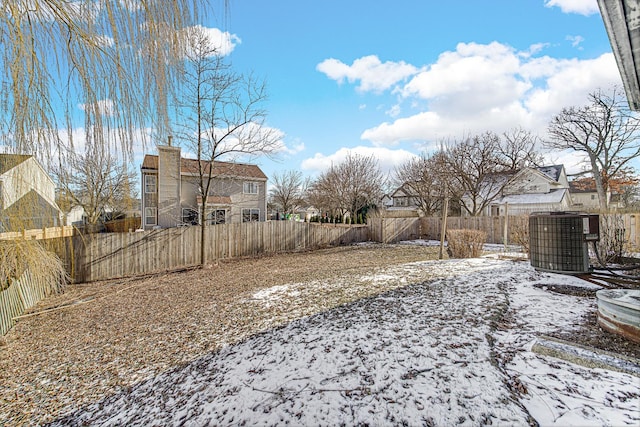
(22, 294)
(111, 255)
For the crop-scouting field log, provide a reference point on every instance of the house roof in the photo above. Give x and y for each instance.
(190, 166)
(552, 172)
(554, 196)
(583, 186)
(10, 161)
(588, 185)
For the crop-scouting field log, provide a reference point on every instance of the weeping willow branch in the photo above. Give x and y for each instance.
(20, 256)
(117, 60)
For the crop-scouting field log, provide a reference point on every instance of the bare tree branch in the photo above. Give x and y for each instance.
(605, 130)
(221, 115)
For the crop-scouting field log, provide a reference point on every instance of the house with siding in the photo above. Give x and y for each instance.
(585, 196)
(531, 189)
(171, 191)
(27, 194)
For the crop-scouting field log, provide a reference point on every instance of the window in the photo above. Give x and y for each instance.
(217, 216)
(150, 183)
(250, 188)
(190, 216)
(250, 215)
(150, 216)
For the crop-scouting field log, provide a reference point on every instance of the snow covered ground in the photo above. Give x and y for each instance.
(455, 349)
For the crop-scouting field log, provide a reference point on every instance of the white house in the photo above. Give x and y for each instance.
(530, 190)
(27, 194)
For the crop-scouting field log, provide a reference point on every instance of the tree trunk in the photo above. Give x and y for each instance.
(203, 234)
(602, 192)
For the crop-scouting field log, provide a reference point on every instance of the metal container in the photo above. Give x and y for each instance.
(619, 312)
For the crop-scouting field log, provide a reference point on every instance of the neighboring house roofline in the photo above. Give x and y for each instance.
(540, 172)
(554, 196)
(554, 171)
(227, 169)
(9, 162)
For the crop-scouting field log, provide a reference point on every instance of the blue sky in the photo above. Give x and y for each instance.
(393, 79)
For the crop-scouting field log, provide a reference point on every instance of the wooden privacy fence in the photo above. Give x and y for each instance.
(91, 257)
(494, 226)
(22, 294)
(112, 255)
(38, 233)
(497, 226)
(392, 230)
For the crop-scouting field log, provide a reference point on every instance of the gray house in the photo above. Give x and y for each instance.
(171, 195)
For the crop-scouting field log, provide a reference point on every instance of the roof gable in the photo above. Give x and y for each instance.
(221, 169)
(10, 161)
(554, 172)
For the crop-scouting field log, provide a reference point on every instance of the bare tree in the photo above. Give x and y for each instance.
(477, 171)
(605, 130)
(518, 149)
(221, 116)
(421, 178)
(95, 181)
(350, 186)
(288, 191)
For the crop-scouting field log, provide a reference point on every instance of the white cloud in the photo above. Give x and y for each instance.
(484, 73)
(372, 74)
(387, 159)
(223, 41)
(394, 111)
(104, 106)
(294, 148)
(492, 87)
(581, 7)
(570, 84)
(77, 142)
(575, 41)
(534, 49)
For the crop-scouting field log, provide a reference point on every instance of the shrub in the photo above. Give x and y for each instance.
(519, 234)
(611, 246)
(465, 243)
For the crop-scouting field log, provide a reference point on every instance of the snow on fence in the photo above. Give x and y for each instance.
(22, 294)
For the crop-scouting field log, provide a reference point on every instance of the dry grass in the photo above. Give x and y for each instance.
(99, 337)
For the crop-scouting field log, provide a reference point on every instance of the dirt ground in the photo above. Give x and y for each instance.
(100, 337)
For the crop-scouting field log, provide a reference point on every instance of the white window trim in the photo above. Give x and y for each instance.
(250, 214)
(197, 211)
(154, 216)
(252, 185)
(211, 221)
(147, 184)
